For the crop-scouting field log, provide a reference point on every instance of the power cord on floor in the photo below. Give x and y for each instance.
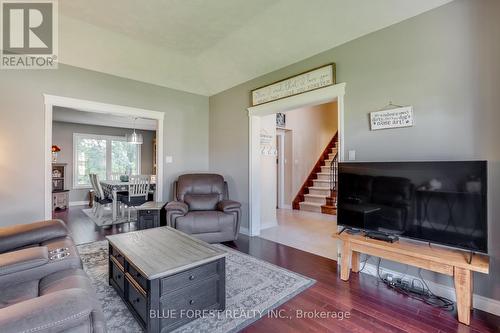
(417, 289)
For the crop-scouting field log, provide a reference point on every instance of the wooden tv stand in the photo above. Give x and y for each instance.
(433, 258)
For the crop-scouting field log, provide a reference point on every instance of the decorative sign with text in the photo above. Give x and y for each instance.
(312, 80)
(392, 118)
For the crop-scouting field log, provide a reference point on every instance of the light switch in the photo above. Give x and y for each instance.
(169, 159)
(352, 155)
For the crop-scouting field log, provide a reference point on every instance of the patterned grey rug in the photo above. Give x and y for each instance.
(107, 217)
(253, 287)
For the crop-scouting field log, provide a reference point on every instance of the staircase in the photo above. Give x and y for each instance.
(318, 193)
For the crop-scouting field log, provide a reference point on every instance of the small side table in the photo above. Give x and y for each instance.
(151, 215)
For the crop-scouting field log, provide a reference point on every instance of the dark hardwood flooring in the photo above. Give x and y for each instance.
(372, 306)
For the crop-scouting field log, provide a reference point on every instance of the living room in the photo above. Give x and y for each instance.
(192, 63)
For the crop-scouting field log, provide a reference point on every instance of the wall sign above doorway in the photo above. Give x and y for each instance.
(314, 79)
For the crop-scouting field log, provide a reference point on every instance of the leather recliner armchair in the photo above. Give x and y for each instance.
(202, 208)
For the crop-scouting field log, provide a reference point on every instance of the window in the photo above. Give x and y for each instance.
(102, 155)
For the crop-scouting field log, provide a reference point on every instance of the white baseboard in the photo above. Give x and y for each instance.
(480, 302)
(286, 207)
(79, 203)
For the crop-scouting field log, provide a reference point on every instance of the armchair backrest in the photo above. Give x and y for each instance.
(200, 191)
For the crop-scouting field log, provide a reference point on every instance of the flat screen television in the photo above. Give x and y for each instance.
(437, 202)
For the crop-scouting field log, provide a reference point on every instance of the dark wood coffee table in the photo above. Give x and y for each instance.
(165, 276)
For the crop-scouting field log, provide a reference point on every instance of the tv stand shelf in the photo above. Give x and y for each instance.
(434, 258)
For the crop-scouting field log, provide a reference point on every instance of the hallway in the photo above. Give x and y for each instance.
(307, 231)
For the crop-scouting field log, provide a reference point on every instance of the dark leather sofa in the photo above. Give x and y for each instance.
(393, 196)
(39, 293)
(202, 208)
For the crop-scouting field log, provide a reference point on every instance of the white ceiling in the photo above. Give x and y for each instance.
(207, 46)
(66, 115)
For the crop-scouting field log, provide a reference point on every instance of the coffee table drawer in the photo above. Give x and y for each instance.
(117, 276)
(118, 256)
(191, 276)
(141, 280)
(200, 296)
(138, 301)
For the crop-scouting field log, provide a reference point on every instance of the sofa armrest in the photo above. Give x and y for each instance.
(228, 205)
(177, 206)
(16, 261)
(21, 235)
(55, 312)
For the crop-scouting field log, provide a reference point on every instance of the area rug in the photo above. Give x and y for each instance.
(107, 217)
(253, 287)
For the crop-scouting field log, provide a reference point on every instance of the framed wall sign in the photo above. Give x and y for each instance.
(280, 120)
(314, 79)
(392, 118)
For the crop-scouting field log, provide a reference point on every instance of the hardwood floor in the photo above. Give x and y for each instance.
(84, 230)
(372, 306)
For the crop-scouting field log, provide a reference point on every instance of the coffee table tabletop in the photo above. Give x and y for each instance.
(163, 251)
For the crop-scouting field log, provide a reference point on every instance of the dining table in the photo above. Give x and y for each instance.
(111, 189)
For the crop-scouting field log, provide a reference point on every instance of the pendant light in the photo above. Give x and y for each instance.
(135, 138)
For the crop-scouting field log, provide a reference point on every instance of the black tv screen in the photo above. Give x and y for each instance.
(438, 202)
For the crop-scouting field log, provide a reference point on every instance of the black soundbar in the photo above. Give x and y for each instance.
(382, 236)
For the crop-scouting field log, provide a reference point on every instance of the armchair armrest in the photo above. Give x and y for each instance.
(17, 236)
(177, 206)
(228, 205)
(55, 312)
(16, 261)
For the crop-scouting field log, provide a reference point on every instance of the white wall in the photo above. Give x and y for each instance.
(22, 156)
(62, 136)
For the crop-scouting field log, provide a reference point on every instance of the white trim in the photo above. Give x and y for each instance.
(79, 203)
(311, 98)
(281, 170)
(109, 139)
(480, 302)
(90, 106)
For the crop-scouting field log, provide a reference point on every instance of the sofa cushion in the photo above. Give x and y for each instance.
(201, 201)
(198, 222)
(18, 293)
(20, 260)
(67, 279)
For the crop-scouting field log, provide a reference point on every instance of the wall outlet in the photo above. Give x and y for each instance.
(352, 155)
(169, 159)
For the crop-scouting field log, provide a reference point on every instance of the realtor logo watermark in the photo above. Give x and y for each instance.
(29, 38)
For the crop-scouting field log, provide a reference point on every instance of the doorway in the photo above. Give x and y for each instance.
(257, 113)
(100, 108)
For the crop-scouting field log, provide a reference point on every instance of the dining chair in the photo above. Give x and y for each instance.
(94, 203)
(138, 191)
(99, 198)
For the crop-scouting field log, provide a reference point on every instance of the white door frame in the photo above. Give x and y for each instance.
(311, 98)
(281, 169)
(97, 107)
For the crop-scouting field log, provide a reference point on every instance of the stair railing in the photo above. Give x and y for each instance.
(333, 178)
